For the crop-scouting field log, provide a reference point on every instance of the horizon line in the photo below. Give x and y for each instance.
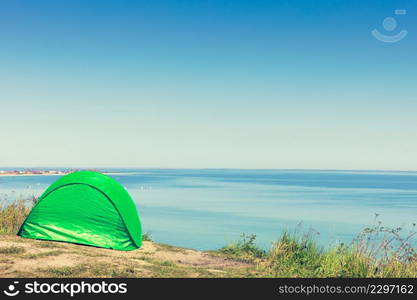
(207, 168)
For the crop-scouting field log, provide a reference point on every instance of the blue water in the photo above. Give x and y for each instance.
(205, 209)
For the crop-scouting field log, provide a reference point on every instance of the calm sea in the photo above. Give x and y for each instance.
(207, 208)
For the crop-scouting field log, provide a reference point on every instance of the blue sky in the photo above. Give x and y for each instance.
(233, 84)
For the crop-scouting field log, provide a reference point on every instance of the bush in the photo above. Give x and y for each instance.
(146, 236)
(13, 213)
(378, 251)
(245, 248)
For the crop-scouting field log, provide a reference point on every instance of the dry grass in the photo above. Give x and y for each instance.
(13, 213)
(20, 257)
(11, 250)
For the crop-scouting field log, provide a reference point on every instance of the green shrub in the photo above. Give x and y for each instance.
(13, 213)
(245, 248)
(146, 237)
(378, 251)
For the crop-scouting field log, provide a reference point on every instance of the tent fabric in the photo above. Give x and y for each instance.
(87, 208)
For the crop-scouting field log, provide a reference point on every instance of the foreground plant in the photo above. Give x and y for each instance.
(378, 251)
(13, 213)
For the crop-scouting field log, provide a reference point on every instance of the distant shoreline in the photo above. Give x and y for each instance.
(12, 174)
(29, 174)
(34, 172)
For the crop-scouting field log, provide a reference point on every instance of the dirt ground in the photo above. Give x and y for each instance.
(20, 257)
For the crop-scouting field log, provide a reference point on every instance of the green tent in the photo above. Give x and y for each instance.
(87, 208)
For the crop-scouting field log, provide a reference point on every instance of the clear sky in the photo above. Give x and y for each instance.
(188, 84)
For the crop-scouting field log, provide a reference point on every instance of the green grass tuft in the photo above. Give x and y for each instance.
(244, 249)
(65, 271)
(146, 237)
(11, 250)
(44, 254)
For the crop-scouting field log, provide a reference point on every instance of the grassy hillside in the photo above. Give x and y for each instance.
(377, 252)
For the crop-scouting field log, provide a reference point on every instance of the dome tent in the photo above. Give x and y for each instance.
(87, 208)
